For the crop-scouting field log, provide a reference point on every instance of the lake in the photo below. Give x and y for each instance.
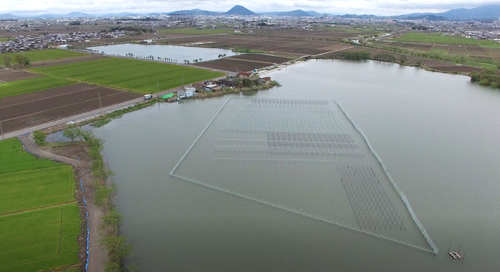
(437, 134)
(171, 52)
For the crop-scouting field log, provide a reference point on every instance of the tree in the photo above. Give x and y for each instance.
(7, 61)
(22, 60)
(247, 82)
(70, 133)
(39, 137)
(402, 59)
(385, 57)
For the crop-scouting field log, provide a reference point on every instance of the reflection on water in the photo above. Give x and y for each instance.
(436, 133)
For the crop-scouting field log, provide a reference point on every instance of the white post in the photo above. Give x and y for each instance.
(1, 129)
(100, 105)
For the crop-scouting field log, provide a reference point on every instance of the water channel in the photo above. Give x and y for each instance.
(437, 134)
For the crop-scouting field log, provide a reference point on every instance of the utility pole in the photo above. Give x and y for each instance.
(100, 105)
(1, 129)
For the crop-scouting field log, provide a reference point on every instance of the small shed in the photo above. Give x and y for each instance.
(190, 91)
(181, 94)
(209, 87)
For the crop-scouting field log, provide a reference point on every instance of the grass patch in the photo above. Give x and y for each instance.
(488, 44)
(15, 159)
(40, 55)
(104, 119)
(246, 50)
(4, 39)
(417, 37)
(32, 85)
(133, 75)
(192, 30)
(41, 237)
(40, 240)
(438, 51)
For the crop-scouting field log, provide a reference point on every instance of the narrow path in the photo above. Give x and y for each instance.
(97, 256)
(38, 208)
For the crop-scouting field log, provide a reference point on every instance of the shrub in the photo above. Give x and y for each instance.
(39, 137)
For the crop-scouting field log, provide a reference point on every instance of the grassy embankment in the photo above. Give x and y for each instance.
(463, 57)
(41, 55)
(127, 74)
(39, 217)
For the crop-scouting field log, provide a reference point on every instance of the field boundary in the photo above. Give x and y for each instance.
(38, 208)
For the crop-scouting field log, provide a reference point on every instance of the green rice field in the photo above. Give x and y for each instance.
(48, 54)
(39, 217)
(133, 75)
(32, 85)
(40, 239)
(416, 37)
(32, 189)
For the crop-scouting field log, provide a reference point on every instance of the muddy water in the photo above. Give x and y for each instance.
(437, 135)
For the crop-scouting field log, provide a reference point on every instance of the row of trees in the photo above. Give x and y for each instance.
(194, 61)
(19, 61)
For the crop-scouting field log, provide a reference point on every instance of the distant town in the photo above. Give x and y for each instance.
(22, 34)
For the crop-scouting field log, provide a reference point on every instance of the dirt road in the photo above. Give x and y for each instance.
(97, 256)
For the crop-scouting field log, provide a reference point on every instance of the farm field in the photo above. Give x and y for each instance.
(41, 55)
(8, 75)
(290, 43)
(246, 62)
(438, 38)
(17, 112)
(132, 75)
(39, 217)
(31, 85)
(194, 31)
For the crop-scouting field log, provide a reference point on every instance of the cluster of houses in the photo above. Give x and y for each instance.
(232, 82)
(30, 42)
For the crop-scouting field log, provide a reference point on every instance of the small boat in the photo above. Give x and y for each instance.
(455, 255)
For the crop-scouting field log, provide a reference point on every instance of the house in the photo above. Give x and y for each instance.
(244, 75)
(224, 83)
(265, 80)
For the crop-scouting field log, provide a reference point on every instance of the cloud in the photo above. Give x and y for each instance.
(379, 7)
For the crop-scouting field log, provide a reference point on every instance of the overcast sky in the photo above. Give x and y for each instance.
(377, 7)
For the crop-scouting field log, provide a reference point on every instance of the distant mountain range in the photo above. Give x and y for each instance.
(489, 12)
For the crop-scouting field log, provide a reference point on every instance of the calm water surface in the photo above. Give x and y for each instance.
(172, 52)
(436, 133)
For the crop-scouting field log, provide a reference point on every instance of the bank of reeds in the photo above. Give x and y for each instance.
(106, 118)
